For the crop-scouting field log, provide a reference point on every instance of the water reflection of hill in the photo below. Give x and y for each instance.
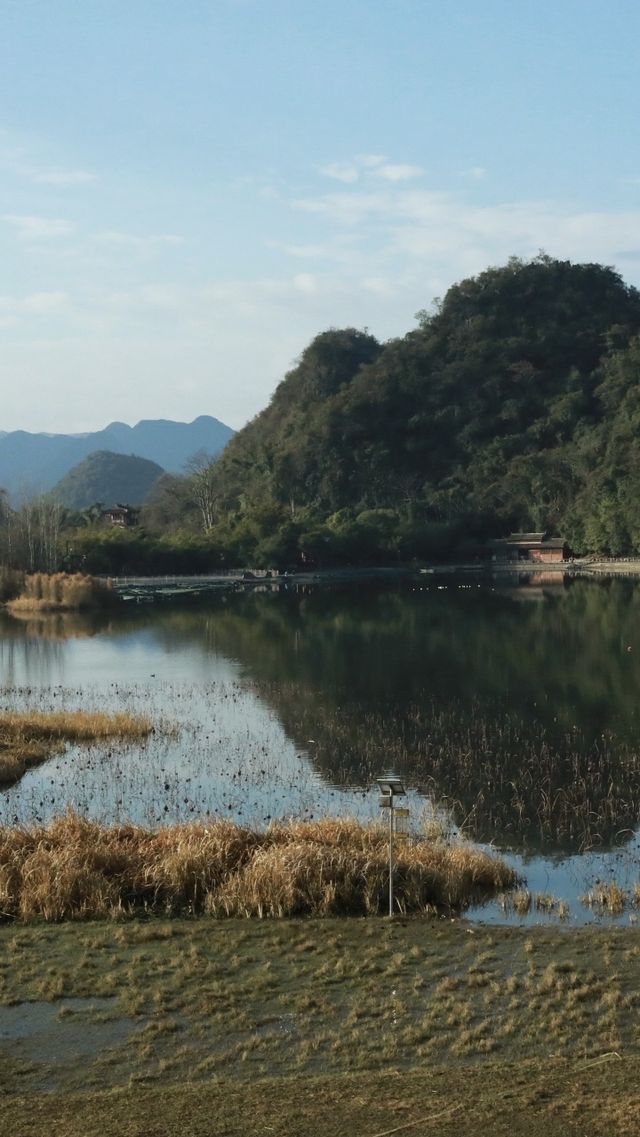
(524, 715)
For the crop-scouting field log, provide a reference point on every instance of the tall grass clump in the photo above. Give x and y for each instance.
(74, 868)
(29, 738)
(60, 591)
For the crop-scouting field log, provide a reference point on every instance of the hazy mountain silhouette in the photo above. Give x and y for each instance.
(30, 463)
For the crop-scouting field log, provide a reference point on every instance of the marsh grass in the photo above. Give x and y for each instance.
(29, 738)
(244, 999)
(611, 898)
(75, 868)
(497, 773)
(61, 591)
(522, 902)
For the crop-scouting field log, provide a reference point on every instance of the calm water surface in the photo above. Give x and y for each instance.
(511, 710)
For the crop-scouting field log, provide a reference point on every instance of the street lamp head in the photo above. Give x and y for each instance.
(391, 785)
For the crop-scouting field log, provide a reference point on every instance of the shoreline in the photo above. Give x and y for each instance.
(128, 588)
(149, 589)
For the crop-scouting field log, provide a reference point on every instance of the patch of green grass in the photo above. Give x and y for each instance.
(244, 1001)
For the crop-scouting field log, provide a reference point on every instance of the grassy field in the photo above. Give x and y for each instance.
(235, 1027)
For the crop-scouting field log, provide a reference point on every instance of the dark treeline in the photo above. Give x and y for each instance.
(514, 404)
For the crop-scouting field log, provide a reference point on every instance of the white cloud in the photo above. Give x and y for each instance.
(341, 171)
(304, 252)
(400, 172)
(305, 282)
(475, 173)
(43, 303)
(347, 208)
(341, 250)
(15, 159)
(420, 238)
(65, 177)
(378, 285)
(370, 160)
(113, 237)
(37, 228)
(35, 303)
(370, 164)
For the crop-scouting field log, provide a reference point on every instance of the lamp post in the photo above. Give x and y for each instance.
(390, 787)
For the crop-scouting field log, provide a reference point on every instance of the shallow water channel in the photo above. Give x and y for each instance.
(510, 707)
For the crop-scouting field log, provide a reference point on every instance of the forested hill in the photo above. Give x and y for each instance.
(514, 404)
(107, 478)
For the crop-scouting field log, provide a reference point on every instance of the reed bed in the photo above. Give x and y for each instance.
(29, 738)
(523, 903)
(60, 592)
(500, 776)
(610, 898)
(74, 868)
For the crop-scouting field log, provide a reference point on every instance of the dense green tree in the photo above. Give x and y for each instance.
(496, 409)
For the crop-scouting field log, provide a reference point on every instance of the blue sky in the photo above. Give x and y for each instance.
(190, 191)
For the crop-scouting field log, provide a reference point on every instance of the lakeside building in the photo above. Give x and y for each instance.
(529, 547)
(120, 515)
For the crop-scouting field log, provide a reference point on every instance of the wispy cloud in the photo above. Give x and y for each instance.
(405, 232)
(33, 228)
(34, 303)
(370, 165)
(16, 159)
(399, 172)
(65, 177)
(347, 172)
(370, 160)
(475, 173)
(347, 208)
(133, 240)
(341, 249)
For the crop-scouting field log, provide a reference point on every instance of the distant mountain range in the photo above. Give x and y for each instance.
(108, 478)
(33, 463)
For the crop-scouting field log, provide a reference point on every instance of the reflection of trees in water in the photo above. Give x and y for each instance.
(25, 656)
(32, 643)
(525, 715)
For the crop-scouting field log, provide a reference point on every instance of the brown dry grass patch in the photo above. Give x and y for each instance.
(29, 738)
(60, 591)
(74, 868)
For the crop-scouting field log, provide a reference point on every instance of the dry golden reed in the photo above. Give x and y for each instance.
(73, 868)
(60, 591)
(28, 738)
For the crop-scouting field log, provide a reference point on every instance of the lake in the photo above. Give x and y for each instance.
(511, 709)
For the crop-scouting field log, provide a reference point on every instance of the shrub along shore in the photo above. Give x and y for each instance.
(73, 868)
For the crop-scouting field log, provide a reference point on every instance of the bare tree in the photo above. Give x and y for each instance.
(201, 471)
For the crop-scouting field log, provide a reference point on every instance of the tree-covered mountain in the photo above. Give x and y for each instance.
(33, 463)
(107, 478)
(514, 404)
